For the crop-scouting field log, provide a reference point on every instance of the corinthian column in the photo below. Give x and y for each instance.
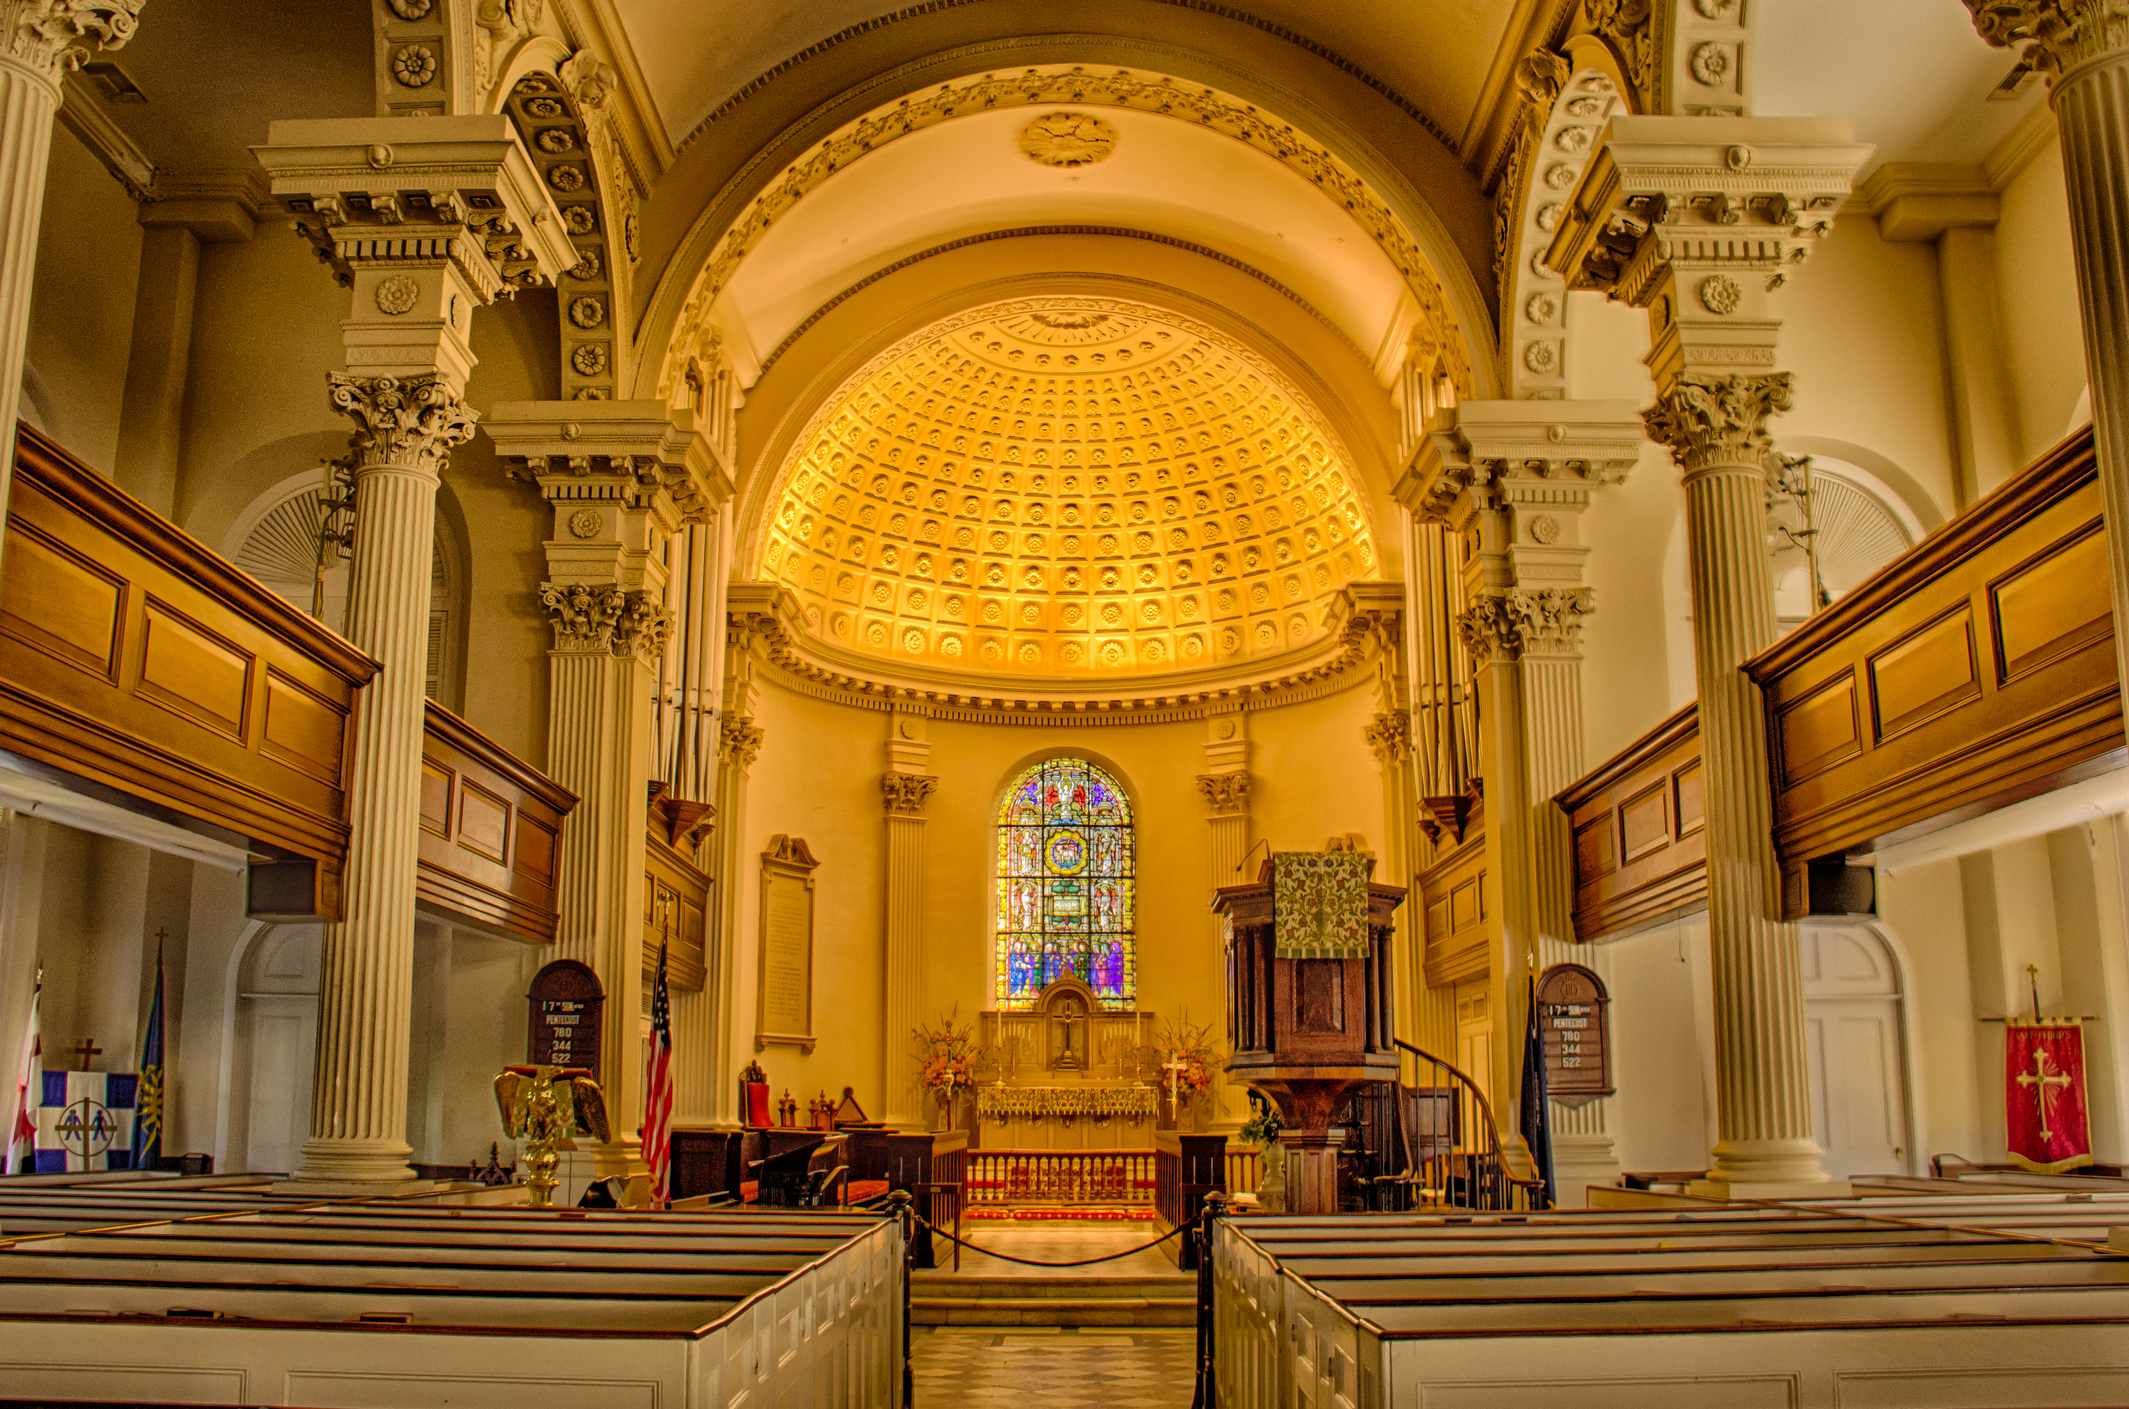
(2083, 47)
(39, 41)
(1514, 478)
(905, 789)
(621, 478)
(420, 217)
(1706, 266)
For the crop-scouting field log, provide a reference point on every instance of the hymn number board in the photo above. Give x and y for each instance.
(566, 1005)
(1575, 1029)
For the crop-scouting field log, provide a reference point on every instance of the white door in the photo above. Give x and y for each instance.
(278, 1041)
(1474, 1048)
(1856, 1044)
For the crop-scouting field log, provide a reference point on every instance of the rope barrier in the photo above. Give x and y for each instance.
(1029, 1262)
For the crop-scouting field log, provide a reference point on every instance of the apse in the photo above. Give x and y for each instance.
(1076, 486)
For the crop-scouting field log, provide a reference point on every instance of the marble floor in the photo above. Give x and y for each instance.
(1064, 1367)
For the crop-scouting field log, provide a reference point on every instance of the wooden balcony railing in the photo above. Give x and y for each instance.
(1974, 670)
(135, 658)
(491, 831)
(1120, 1178)
(1638, 822)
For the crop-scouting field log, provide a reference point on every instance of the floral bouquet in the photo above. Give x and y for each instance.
(1186, 1059)
(947, 1058)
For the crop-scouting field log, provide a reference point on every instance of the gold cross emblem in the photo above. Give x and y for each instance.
(2039, 1081)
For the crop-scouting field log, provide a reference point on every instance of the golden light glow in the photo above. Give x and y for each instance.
(1067, 486)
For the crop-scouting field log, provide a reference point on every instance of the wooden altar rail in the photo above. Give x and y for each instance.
(1110, 1177)
(1974, 670)
(1245, 1170)
(1186, 1168)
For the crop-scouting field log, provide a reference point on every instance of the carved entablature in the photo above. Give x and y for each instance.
(1226, 792)
(404, 191)
(2054, 35)
(634, 457)
(905, 794)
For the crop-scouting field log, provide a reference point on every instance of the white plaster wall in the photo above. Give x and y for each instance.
(2038, 273)
(818, 777)
(1663, 1023)
(81, 311)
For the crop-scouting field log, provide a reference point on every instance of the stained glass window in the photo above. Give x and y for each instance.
(1066, 865)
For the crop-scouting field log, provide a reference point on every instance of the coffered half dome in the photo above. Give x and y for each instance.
(1067, 486)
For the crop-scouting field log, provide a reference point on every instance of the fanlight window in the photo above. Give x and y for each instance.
(1065, 872)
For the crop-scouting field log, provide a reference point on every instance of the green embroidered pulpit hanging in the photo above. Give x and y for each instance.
(1320, 904)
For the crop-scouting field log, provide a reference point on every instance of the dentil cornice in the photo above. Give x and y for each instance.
(591, 619)
(1227, 793)
(2054, 35)
(1710, 420)
(905, 794)
(1516, 623)
(610, 450)
(47, 35)
(1753, 195)
(383, 190)
(405, 421)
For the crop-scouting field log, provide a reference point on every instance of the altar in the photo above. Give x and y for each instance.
(1067, 1075)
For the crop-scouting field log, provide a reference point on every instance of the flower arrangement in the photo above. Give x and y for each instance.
(1263, 1124)
(1185, 1057)
(947, 1058)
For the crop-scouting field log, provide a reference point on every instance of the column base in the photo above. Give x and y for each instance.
(1768, 1163)
(367, 1164)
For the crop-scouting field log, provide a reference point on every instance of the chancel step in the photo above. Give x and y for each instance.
(940, 1299)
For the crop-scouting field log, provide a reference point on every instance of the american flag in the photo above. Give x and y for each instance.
(658, 1100)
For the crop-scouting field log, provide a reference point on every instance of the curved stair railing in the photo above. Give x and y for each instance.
(1453, 1144)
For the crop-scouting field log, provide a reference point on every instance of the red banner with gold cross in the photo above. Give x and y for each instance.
(2044, 1094)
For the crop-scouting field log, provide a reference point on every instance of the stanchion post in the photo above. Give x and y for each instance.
(898, 1203)
(1206, 1394)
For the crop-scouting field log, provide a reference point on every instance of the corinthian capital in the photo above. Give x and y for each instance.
(409, 421)
(906, 793)
(643, 627)
(1547, 621)
(2054, 34)
(1226, 792)
(47, 35)
(594, 617)
(1390, 735)
(738, 741)
(1709, 420)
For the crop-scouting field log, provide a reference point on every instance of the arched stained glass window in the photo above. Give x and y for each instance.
(1066, 865)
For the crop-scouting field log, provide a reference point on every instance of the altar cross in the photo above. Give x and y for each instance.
(2038, 1080)
(89, 1049)
(1174, 1067)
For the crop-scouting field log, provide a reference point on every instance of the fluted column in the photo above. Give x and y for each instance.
(39, 41)
(482, 226)
(739, 741)
(1225, 787)
(404, 428)
(2083, 47)
(905, 789)
(622, 478)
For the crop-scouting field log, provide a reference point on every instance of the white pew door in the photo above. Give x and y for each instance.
(277, 1045)
(1854, 1021)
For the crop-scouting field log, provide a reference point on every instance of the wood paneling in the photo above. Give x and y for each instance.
(1982, 662)
(491, 831)
(133, 657)
(1455, 911)
(1640, 851)
(676, 903)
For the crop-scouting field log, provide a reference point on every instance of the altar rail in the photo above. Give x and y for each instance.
(1032, 1177)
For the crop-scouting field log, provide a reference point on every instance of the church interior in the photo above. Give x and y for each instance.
(1261, 704)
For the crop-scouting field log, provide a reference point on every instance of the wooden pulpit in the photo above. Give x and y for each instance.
(1309, 1001)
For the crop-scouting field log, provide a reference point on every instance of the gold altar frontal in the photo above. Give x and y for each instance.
(1066, 1075)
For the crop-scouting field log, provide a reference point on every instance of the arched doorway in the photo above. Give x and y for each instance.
(275, 1045)
(1855, 1030)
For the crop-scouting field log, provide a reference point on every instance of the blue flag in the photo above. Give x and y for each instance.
(148, 1116)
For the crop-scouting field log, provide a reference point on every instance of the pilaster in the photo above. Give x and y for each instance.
(739, 743)
(2083, 47)
(1700, 221)
(424, 219)
(905, 791)
(1226, 787)
(621, 477)
(39, 41)
(1513, 479)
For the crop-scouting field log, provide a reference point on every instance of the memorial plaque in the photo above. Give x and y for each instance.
(566, 1004)
(1574, 1026)
(785, 1012)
